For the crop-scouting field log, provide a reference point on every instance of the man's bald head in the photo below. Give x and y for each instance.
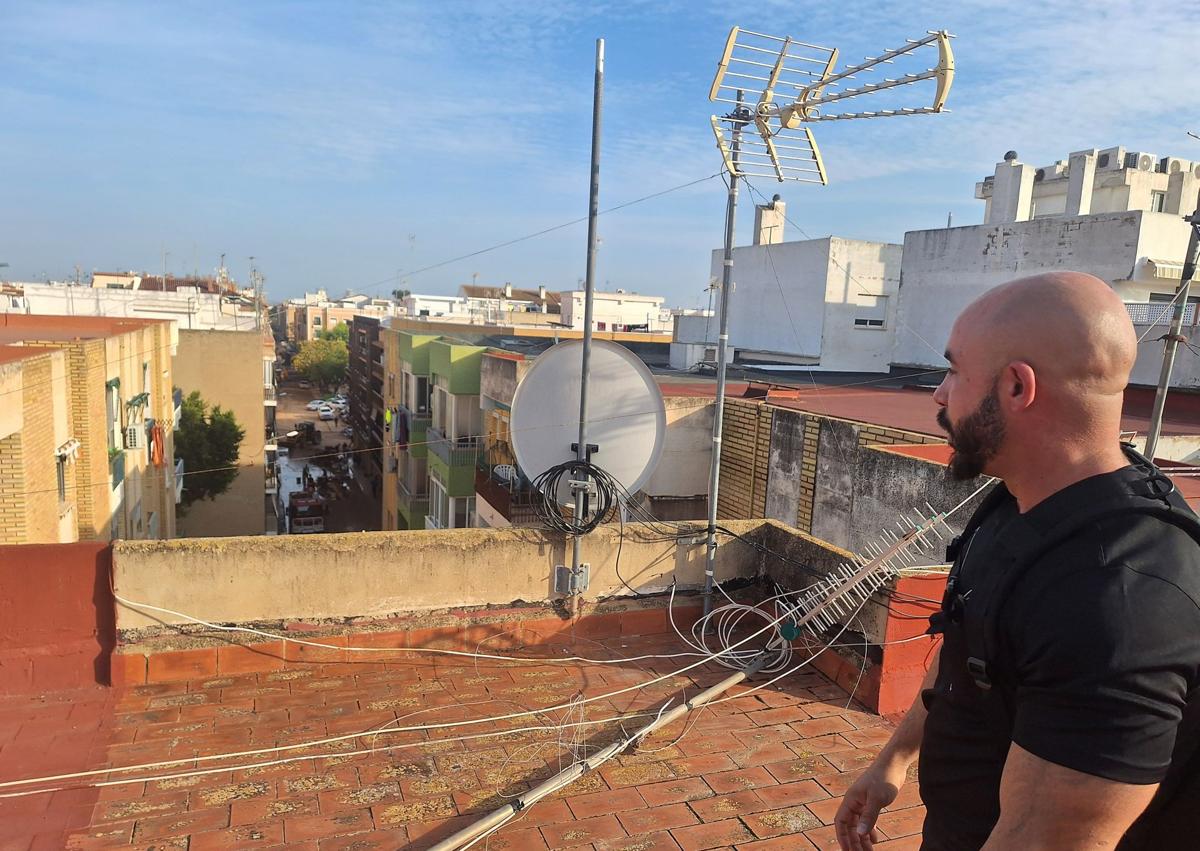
(1069, 326)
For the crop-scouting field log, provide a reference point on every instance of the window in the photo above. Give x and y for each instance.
(424, 400)
(870, 311)
(464, 509)
(439, 503)
(1158, 202)
(62, 479)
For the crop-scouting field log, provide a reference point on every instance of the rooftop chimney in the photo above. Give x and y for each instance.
(768, 222)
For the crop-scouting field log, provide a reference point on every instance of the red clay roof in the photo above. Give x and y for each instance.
(913, 409)
(16, 327)
(743, 772)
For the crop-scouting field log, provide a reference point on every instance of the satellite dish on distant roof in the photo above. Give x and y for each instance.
(626, 416)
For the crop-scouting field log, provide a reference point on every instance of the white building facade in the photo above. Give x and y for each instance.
(825, 304)
(617, 311)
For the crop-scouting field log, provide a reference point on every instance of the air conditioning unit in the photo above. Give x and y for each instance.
(135, 437)
(1112, 159)
(1141, 162)
(1173, 165)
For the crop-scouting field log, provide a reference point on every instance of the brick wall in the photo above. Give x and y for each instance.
(745, 452)
(808, 475)
(745, 456)
(13, 527)
(93, 487)
(28, 467)
(872, 435)
(41, 473)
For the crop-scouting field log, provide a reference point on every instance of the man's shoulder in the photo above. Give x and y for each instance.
(1138, 557)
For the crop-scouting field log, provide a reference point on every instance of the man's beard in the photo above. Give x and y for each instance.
(976, 439)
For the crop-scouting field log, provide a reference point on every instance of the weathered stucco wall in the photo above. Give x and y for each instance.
(786, 466)
(944, 270)
(687, 449)
(232, 580)
(862, 490)
(778, 301)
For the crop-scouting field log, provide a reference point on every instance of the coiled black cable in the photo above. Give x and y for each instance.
(598, 503)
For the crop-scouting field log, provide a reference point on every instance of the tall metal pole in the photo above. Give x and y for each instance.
(589, 287)
(739, 117)
(1173, 338)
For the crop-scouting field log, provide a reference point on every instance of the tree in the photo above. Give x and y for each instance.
(323, 362)
(400, 295)
(337, 332)
(208, 442)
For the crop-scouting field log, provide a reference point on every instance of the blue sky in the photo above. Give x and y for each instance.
(344, 143)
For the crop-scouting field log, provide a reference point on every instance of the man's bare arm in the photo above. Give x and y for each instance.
(879, 784)
(1046, 807)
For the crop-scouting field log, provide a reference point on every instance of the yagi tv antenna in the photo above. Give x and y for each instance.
(793, 84)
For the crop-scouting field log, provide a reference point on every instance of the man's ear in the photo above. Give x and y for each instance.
(1018, 386)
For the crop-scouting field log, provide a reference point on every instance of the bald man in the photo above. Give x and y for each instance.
(1065, 733)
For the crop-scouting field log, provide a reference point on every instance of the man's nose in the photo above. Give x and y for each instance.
(940, 395)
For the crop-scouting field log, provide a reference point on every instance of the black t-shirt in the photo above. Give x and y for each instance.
(1098, 650)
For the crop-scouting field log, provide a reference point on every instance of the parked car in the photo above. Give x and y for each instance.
(304, 384)
(325, 413)
(348, 432)
(314, 405)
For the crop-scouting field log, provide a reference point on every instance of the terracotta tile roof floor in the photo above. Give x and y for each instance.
(760, 771)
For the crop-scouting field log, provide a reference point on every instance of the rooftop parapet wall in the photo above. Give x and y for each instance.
(374, 575)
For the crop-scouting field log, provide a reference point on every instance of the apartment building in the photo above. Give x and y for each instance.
(433, 433)
(408, 398)
(234, 369)
(90, 443)
(365, 377)
(225, 352)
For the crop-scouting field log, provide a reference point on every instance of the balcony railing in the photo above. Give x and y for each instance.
(271, 479)
(432, 522)
(416, 420)
(269, 395)
(515, 501)
(179, 481)
(455, 453)
(413, 506)
(177, 398)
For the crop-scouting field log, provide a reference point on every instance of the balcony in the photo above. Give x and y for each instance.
(271, 479)
(269, 396)
(515, 501)
(454, 453)
(432, 522)
(412, 506)
(179, 481)
(416, 420)
(177, 398)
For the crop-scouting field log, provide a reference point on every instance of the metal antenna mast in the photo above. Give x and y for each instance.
(1174, 337)
(793, 81)
(583, 451)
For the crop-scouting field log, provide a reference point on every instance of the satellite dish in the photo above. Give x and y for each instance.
(626, 416)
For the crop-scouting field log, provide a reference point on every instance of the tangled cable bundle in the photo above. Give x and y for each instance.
(551, 483)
